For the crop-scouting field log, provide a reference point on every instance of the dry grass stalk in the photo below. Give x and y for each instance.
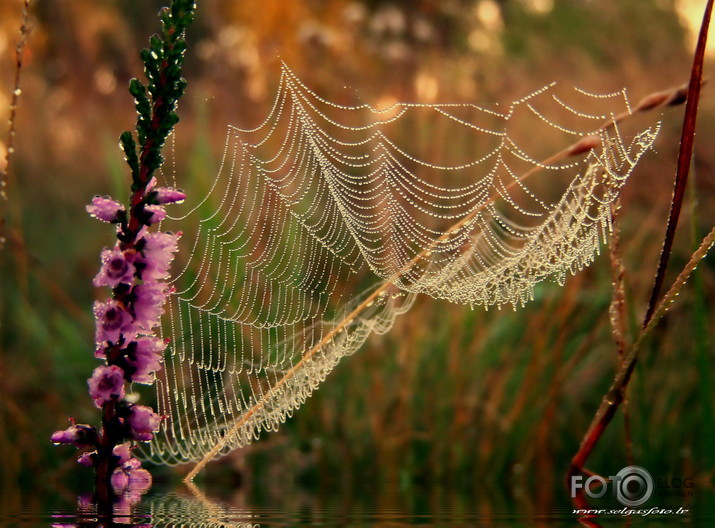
(669, 297)
(10, 146)
(11, 469)
(617, 309)
(617, 313)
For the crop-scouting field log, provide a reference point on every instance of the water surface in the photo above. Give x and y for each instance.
(377, 506)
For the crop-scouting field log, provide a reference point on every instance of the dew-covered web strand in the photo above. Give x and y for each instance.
(323, 201)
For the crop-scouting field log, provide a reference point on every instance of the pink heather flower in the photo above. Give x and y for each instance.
(104, 209)
(143, 421)
(148, 304)
(168, 195)
(123, 452)
(107, 382)
(130, 477)
(129, 482)
(156, 255)
(87, 459)
(112, 321)
(145, 355)
(157, 213)
(119, 480)
(115, 269)
(139, 480)
(79, 435)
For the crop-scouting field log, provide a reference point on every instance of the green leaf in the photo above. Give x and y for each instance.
(130, 151)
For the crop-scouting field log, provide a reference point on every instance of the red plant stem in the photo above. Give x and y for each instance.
(105, 452)
(609, 405)
(138, 195)
(615, 395)
(685, 154)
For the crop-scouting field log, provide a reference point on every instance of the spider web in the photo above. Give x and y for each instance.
(323, 200)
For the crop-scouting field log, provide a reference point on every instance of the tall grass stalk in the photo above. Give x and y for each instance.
(10, 468)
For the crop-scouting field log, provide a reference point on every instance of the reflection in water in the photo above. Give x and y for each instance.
(174, 510)
(351, 505)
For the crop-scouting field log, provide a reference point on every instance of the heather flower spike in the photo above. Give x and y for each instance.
(135, 271)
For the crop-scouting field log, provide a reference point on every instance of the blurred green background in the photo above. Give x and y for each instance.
(449, 395)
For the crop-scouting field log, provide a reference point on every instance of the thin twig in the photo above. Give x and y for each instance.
(10, 147)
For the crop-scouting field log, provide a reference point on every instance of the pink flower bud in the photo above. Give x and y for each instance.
(87, 459)
(143, 422)
(139, 480)
(123, 452)
(156, 214)
(168, 195)
(79, 435)
(104, 209)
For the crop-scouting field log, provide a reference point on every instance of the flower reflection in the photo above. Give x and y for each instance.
(192, 509)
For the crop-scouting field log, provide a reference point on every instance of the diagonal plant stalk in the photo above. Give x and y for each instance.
(616, 394)
(669, 97)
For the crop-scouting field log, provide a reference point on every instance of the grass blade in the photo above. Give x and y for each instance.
(684, 156)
